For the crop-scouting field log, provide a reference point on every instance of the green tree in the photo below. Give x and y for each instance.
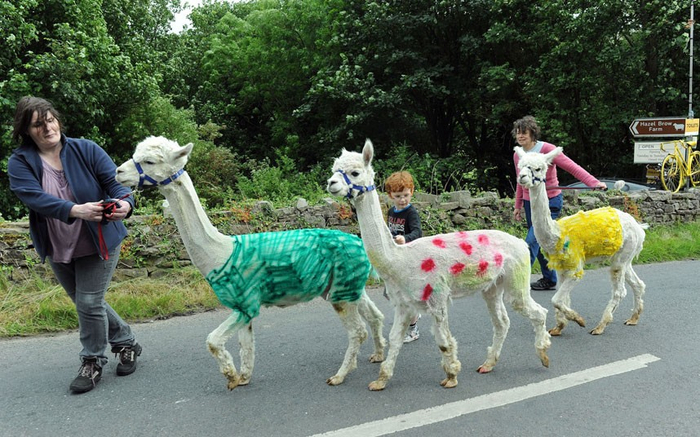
(407, 73)
(586, 70)
(256, 60)
(62, 51)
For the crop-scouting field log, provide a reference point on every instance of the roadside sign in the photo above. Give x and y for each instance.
(659, 127)
(692, 126)
(649, 152)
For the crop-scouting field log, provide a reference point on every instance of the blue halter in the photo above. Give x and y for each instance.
(143, 177)
(536, 179)
(361, 190)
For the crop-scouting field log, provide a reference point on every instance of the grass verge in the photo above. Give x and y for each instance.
(36, 306)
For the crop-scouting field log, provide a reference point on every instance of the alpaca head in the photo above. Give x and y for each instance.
(532, 167)
(156, 161)
(352, 173)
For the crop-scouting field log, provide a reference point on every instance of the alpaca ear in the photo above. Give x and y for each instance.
(368, 152)
(519, 151)
(184, 151)
(553, 154)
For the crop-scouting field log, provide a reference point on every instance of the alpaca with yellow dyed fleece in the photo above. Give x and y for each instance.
(570, 242)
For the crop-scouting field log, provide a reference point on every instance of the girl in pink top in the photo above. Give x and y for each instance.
(526, 132)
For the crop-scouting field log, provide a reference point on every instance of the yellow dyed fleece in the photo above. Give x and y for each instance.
(586, 234)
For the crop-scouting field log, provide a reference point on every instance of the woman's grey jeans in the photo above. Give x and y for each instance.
(86, 279)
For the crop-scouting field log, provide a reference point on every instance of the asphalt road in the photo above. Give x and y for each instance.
(631, 381)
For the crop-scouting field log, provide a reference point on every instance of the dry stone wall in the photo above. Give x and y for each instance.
(153, 247)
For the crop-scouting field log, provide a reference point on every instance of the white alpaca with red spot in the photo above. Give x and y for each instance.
(425, 274)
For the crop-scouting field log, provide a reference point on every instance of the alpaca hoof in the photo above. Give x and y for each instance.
(555, 332)
(335, 380)
(484, 369)
(245, 380)
(376, 358)
(449, 382)
(598, 330)
(578, 319)
(632, 321)
(233, 378)
(543, 357)
(377, 385)
(232, 384)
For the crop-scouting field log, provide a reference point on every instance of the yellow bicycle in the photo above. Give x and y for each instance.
(675, 169)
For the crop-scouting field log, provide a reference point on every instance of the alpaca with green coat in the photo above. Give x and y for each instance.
(251, 271)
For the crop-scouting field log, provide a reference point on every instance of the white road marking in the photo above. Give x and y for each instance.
(492, 400)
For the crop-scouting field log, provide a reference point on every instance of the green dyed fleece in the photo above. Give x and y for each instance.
(285, 268)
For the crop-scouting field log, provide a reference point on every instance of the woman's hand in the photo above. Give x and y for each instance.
(119, 213)
(90, 211)
(95, 211)
(517, 215)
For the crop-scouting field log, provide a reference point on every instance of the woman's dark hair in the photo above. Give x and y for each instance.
(26, 107)
(527, 123)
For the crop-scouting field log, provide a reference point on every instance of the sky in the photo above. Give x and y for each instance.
(181, 19)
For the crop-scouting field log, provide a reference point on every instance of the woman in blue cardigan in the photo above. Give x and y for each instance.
(65, 182)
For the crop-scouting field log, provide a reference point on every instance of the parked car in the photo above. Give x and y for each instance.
(629, 186)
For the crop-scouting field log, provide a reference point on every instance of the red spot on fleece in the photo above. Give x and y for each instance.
(466, 247)
(439, 242)
(484, 240)
(462, 234)
(457, 268)
(427, 291)
(428, 265)
(498, 258)
(483, 265)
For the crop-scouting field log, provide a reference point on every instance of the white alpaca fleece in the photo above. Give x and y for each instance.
(423, 275)
(250, 271)
(571, 242)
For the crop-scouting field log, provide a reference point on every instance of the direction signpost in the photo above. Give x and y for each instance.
(659, 127)
(649, 152)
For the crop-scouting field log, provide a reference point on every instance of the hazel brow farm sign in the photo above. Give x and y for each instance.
(663, 127)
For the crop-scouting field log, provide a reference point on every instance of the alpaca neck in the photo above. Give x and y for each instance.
(206, 246)
(383, 253)
(546, 229)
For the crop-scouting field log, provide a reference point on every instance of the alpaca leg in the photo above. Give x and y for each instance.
(562, 305)
(216, 341)
(402, 318)
(638, 289)
(538, 317)
(617, 277)
(357, 333)
(448, 348)
(246, 340)
(501, 324)
(375, 319)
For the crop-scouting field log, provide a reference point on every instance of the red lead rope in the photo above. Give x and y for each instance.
(107, 205)
(578, 188)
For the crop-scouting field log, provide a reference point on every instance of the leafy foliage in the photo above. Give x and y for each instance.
(281, 183)
(277, 87)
